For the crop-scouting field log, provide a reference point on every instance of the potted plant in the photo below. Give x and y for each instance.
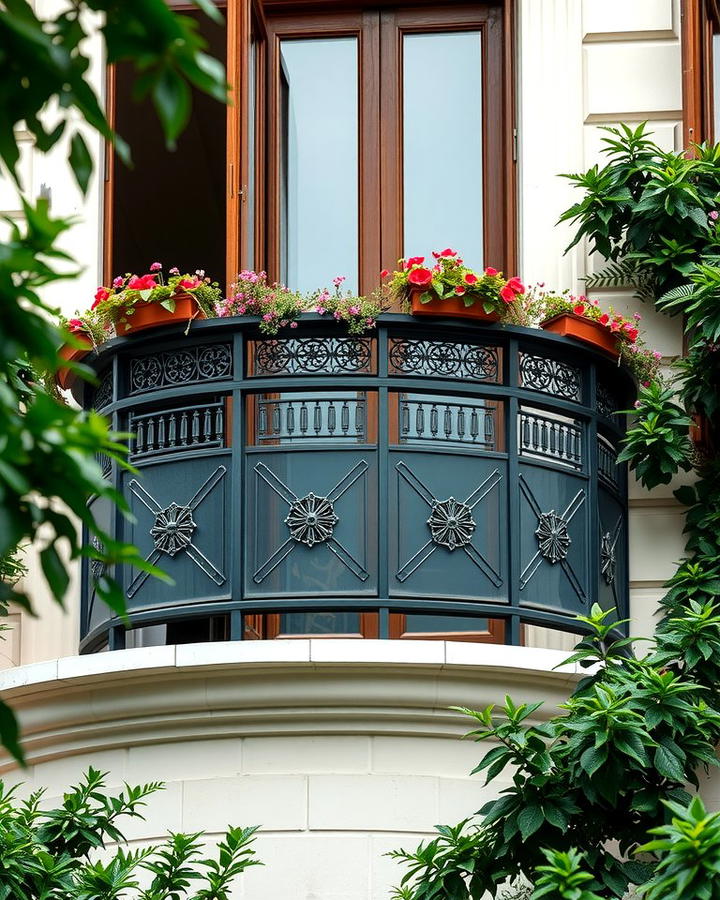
(584, 320)
(86, 333)
(449, 288)
(136, 302)
(279, 307)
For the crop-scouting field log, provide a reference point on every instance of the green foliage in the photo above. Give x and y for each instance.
(49, 854)
(48, 452)
(689, 850)
(657, 445)
(585, 785)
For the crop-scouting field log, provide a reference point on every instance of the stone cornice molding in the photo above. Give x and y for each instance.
(199, 691)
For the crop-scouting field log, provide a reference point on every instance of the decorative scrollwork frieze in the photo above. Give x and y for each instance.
(104, 393)
(311, 520)
(451, 523)
(443, 359)
(553, 538)
(209, 362)
(312, 356)
(540, 373)
(606, 403)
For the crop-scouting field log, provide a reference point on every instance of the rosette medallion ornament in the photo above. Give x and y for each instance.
(311, 520)
(553, 538)
(173, 529)
(451, 523)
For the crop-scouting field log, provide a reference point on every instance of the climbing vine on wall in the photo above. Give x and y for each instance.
(598, 802)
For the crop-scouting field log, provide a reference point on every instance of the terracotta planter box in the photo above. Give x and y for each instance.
(585, 330)
(454, 308)
(64, 375)
(153, 315)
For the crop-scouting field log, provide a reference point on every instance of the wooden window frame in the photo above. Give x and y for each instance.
(495, 633)
(378, 195)
(700, 22)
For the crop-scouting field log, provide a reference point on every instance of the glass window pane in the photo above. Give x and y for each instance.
(442, 144)
(420, 624)
(320, 623)
(319, 162)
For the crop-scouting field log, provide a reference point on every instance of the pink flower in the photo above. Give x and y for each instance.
(101, 294)
(142, 283)
(490, 272)
(337, 314)
(470, 278)
(637, 404)
(354, 310)
(174, 271)
(188, 284)
(714, 215)
(615, 326)
(516, 285)
(604, 319)
(460, 290)
(384, 273)
(268, 317)
(420, 277)
(448, 252)
(646, 384)
(632, 333)
(118, 282)
(293, 324)
(370, 322)
(75, 325)
(657, 354)
(637, 317)
(415, 261)
(507, 294)
(338, 280)
(155, 267)
(320, 310)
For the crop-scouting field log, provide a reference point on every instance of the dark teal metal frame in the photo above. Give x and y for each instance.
(538, 608)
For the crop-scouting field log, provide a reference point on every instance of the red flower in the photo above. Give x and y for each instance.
(615, 326)
(470, 278)
(384, 273)
(75, 325)
(414, 261)
(491, 272)
(507, 294)
(604, 319)
(100, 294)
(460, 290)
(448, 252)
(579, 309)
(142, 283)
(632, 333)
(420, 277)
(188, 284)
(516, 285)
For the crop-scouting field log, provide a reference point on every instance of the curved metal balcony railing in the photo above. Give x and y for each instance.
(427, 469)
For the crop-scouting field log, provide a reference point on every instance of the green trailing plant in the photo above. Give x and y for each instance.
(48, 451)
(52, 853)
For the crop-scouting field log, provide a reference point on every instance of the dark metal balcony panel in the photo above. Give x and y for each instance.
(444, 359)
(177, 429)
(103, 395)
(554, 548)
(607, 401)
(447, 518)
(613, 542)
(312, 356)
(94, 611)
(185, 365)
(550, 376)
(550, 437)
(311, 525)
(183, 514)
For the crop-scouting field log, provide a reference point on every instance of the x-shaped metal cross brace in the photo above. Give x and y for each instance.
(567, 516)
(333, 545)
(427, 550)
(199, 558)
(608, 542)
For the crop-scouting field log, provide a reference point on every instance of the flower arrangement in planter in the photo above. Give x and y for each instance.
(279, 307)
(136, 302)
(86, 334)
(450, 288)
(583, 319)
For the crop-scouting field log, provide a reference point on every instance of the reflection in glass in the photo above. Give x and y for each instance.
(442, 144)
(320, 623)
(422, 624)
(319, 162)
